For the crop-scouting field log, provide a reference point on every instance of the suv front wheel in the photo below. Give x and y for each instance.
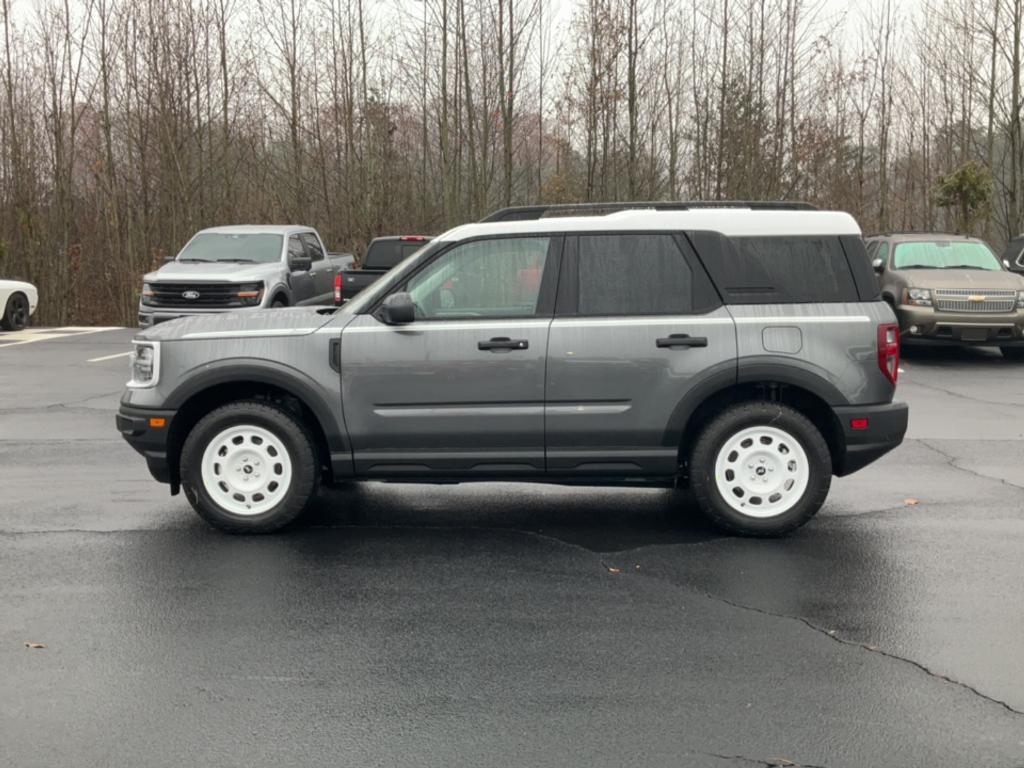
(249, 467)
(760, 469)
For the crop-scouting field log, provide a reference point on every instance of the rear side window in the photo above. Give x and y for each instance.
(784, 270)
(634, 274)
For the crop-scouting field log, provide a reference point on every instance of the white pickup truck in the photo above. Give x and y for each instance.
(231, 269)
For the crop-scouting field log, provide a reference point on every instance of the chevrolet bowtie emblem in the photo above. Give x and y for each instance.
(976, 298)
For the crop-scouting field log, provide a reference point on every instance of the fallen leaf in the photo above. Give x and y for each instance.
(911, 502)
(780, 761)
(35, 645)
(614, 570)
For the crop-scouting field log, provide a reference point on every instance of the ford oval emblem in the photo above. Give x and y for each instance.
(190, 295)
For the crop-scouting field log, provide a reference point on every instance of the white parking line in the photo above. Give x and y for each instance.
(108, 357)
(32, 335)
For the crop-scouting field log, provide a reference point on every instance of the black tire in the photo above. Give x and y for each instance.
(731, 422)
(290, 432)
(16, 313)
(278, 303)
(1012, 353)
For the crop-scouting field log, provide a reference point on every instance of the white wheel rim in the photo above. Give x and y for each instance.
(762, 471)
(246, 469)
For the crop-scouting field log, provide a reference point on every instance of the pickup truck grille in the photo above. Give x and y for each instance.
(966, 300)
(203, 295)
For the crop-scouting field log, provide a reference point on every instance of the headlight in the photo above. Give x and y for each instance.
(917, 297)
(147, 293)
(1020, 299)
(145, 364)
(249, 294)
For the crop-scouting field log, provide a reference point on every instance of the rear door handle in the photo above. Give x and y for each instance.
(502, 342)
(682, 340)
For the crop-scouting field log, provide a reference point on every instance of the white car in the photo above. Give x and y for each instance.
(19, 301)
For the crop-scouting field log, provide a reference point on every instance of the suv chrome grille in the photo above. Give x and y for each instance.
(967, 300)
(203, 295)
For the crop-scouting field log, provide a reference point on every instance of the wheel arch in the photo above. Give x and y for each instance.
(803, 391)
(231, 382)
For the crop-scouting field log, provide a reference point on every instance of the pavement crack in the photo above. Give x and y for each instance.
(832, 635)
(952, 461)
(771, 762)
(960, 395)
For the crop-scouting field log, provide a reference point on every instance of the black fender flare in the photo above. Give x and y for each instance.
(748, 370)
(248, 370)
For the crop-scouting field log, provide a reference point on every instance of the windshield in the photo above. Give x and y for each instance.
(219, 246)
(945, 254)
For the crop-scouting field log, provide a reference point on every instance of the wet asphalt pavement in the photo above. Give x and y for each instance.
(505, 624)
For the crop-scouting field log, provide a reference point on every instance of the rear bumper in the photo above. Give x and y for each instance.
(137, 428)
(886, 426)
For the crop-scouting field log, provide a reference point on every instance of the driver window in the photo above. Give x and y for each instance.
(485, 278)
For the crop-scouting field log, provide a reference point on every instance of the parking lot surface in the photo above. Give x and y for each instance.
(508, 624)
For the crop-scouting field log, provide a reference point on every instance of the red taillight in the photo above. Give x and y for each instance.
(412, 238)
(889, 351)
(339, 283)
(858, 424)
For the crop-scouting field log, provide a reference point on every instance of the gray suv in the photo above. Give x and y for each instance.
(743, 352)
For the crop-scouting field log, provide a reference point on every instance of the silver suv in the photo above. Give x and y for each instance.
(743, 352)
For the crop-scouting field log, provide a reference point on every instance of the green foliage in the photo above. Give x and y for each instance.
(966, 190)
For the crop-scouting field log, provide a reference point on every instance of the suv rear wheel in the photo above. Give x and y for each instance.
(760, 469)
(249, 467)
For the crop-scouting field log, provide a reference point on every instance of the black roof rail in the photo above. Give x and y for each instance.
(533, 212)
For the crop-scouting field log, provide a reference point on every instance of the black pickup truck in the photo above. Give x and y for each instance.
(381, 255)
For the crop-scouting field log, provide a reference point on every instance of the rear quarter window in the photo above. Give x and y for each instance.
(783, 270)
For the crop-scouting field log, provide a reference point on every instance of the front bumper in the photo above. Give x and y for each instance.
(138, 426)
(886, 426)
(926, 325)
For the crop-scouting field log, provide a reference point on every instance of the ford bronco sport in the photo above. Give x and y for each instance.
(743, 351)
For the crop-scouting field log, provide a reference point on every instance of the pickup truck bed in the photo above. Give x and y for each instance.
(382, 254)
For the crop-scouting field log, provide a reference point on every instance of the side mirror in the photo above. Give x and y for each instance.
(878, 265)
(169, 259)
(300, 263)
(398, 309)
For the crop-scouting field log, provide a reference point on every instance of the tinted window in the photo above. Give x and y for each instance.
(883, 253)
(384, 254)
(316, 253)
(764, 270)
(295, 248)
(633, 275)
(485, 278)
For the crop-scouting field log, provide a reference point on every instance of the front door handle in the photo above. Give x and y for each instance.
(503, 342)
(682, 340)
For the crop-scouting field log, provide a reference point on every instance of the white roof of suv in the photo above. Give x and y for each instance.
(729, 221)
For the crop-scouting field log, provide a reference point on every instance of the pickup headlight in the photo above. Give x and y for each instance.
(147, 293)
(917, 297)
(1020, 299)
(250, 294)
(145, 364)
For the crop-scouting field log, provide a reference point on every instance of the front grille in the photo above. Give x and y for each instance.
(966, 300)
(211, 295)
